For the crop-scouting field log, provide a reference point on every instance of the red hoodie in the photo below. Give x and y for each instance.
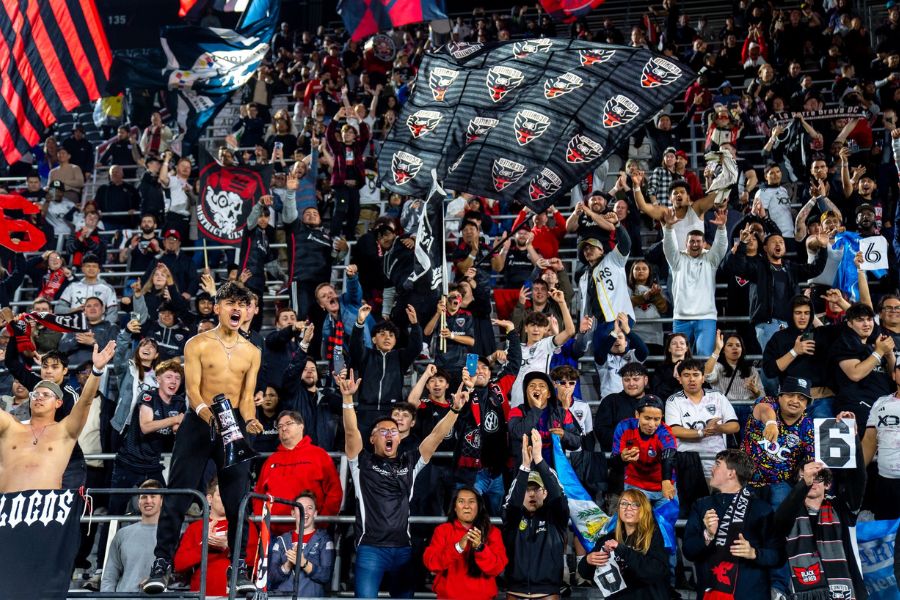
(452, 579)
(285, 474)
(187, 558)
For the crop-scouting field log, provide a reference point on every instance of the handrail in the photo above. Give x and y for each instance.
(204, 546)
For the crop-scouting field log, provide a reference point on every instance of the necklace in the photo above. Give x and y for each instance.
(38, 436)
(228, 349)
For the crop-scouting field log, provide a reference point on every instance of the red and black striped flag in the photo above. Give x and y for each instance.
(53, 57)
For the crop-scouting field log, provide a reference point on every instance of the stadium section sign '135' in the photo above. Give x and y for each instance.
(523, 120)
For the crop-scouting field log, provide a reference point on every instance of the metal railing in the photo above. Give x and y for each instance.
(204, 505)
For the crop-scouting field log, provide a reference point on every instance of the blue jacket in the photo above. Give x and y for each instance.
(350, 301)
(125, 373)
(319, 551)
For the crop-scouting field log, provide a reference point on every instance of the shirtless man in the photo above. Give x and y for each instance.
(33, 456)
(218, 361)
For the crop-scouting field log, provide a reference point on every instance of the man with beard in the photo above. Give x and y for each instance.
(141, 248)
(587, 219)
(862, 363)
(774, 281)
(868, 224)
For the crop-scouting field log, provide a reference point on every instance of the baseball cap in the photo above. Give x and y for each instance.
(681, 153)
(56, 185)
(670, 150)
(535, 478)
(172, 233)
(590, 242)
(649, 401)
(49, 385)
(865, 206)
(796, 385)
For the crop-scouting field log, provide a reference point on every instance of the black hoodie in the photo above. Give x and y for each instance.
(524, 418)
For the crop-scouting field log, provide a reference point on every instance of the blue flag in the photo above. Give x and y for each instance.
(200, 66)
(875, 540)
(589, 521)
(845, 279)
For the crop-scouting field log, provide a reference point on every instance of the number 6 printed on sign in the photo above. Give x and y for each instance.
(835, 443)
(874, 251)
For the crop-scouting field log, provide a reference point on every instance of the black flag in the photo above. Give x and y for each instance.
(523, 121)
(39, 537)
(429, 272)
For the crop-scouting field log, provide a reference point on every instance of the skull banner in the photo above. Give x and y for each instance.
(226, 196)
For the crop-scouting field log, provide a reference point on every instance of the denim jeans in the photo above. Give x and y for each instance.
(701, 332)
(491, 488)
(373, 563)
(764, 333)
(821, 408)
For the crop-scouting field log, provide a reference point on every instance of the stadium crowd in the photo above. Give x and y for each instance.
(675, 343)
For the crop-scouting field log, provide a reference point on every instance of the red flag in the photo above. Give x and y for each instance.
(569, 10)
(54, 57)
(186, 6)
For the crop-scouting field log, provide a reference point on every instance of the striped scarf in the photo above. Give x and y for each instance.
(818, 565)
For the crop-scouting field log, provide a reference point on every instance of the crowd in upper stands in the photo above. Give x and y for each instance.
(676, 343)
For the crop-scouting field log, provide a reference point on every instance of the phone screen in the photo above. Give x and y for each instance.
(471, 364)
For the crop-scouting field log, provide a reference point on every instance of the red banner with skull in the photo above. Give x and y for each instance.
(226, 196)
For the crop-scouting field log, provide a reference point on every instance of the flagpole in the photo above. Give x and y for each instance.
(205, 257)
(444, 282)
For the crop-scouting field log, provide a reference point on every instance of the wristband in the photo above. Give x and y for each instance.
(771, 423)
(714, 355)
(347, 405)
(96, 372)
(454, 410)
(304, 346)
(458, 547)
(877, 355)
(452, 335)
(200, 407)
(700, 433)
(524, 468)
(793, 353)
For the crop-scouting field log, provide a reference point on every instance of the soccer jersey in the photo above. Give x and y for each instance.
(885, 418)
(534, 358)
(778, 461)
(682, 411)
(647, 472)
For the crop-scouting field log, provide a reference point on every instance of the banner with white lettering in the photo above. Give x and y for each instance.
(226, 196)
(835, 443)
(875, 540)
(39, 537)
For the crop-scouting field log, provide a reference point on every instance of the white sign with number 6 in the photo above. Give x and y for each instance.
(835, 443)
(875, 252)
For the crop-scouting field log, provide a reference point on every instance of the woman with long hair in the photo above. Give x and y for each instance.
(466, 553)
(160, 288)
(665, 379)
(648, 302)
(637, 547)
(134, 373)
(729, 372)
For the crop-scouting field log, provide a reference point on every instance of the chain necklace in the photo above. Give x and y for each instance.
(38, 436)
(228, 349)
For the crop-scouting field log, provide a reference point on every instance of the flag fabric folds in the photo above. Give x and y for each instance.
(54, 57)
(523, 121)
(367, 17)
(568, 11)
(588, 520)
(226, 196)
(876, 543)
(429, 271)
(201, 66)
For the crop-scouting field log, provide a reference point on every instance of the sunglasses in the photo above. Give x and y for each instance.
(566, 382)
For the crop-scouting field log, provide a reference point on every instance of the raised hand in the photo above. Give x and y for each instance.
(346, 383)
(411, 315)
(557, 296)
(363, 313)
(536, 446)
(101, 358)
(352, 270)
(721, 218)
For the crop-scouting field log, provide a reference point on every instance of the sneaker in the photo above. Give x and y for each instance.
(158, 581)
(243, 585)
(777, 594)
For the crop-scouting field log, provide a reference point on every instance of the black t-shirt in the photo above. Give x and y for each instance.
(383, 488)
(851, 394)
(430, 413)
(587, 228)
(144, 450)
(454, 357)
(267, 441)
(517, 268)
(781, 309)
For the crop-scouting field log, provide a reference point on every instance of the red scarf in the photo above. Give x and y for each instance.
(53, 282)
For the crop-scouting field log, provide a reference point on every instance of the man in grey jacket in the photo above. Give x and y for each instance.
(131, 554)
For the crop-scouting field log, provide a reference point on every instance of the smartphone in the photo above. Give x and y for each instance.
(134, 316)
(808, 336)
(277, 146)
(471, 364)
(527, 284)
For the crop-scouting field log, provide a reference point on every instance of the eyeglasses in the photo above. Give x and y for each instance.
(626, 505)
(387, 432)
(566, 382)
(285, 425)
(891, 308)
(47, 395)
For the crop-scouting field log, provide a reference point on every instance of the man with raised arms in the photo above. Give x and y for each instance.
(34, 455)
(218, 361)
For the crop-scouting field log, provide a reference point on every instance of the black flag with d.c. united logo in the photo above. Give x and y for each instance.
(525, 120)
